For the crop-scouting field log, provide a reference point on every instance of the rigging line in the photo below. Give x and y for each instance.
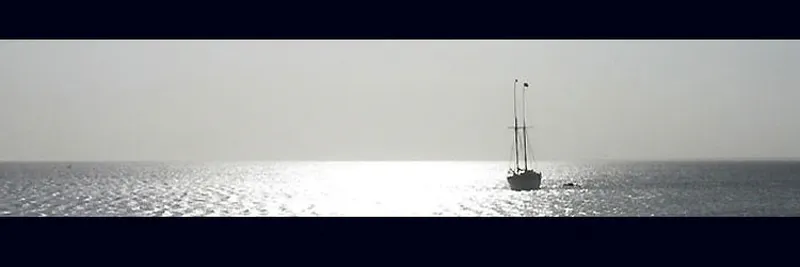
(511, 156)
(533, 159)
(516, 127)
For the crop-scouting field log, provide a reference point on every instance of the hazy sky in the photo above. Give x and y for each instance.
(396, 100)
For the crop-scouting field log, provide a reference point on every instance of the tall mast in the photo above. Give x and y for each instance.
(516, 128)
(524, 124)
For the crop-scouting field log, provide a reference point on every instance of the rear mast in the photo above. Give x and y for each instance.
(524, 125)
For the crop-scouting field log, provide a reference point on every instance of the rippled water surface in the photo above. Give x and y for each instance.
(396, 189)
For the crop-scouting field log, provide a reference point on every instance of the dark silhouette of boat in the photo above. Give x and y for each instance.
(521, 177)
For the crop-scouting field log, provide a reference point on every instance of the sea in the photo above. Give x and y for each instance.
(425, 188)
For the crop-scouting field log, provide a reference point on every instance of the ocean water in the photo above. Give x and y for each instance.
(397, 189)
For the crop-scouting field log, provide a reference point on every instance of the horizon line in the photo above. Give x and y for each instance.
(410, 160)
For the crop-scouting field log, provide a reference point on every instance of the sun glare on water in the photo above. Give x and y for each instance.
(390, 188)
(284, 189)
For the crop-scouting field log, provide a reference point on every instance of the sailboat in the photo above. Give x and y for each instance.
(522, 177)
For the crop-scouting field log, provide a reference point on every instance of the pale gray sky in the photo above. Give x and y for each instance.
(396, 100)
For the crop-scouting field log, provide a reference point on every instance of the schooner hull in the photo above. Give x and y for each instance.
(529, 180)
